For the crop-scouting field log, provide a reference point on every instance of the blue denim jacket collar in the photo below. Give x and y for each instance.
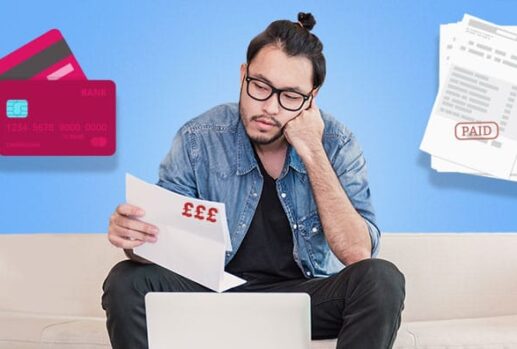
(245, 158)
(295, 162)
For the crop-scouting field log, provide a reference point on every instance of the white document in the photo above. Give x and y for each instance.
(480, 85)
(448, 34)
(193, 234)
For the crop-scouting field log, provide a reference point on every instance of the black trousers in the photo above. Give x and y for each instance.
(361, 305)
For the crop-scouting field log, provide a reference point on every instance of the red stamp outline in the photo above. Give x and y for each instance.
(472, 123)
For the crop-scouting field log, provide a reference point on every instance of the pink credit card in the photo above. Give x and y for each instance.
(48, 57)
(66, 117)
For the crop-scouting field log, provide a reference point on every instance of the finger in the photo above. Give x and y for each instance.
(124, 243)
(132, 234)
(136, 225)
(130, 210)
(312, 108)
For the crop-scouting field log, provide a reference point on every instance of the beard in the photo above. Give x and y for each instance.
(262, 139)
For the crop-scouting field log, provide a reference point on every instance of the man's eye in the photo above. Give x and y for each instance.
(292, 97)
(260, 86)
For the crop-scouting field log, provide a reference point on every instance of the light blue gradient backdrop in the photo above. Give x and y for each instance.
(172, 60)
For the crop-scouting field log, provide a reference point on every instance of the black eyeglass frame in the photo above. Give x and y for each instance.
(278, 92)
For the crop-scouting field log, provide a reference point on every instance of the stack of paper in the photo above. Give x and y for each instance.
(193, 234)
(473, 124)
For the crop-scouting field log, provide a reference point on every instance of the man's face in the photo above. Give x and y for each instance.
(264, 120)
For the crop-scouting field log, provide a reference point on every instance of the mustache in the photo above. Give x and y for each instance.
(268, 119)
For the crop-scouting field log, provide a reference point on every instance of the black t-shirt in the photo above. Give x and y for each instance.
(266, 253)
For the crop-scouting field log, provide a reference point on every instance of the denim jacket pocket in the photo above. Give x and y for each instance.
(310, 225)
(318, 250)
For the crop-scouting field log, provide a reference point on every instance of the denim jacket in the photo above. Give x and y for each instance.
(211, 158)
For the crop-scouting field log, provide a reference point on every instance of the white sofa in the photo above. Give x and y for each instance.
(461, 290)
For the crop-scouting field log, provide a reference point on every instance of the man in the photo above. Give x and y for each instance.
(294, 183)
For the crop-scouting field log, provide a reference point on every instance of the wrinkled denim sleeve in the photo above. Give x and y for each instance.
(350, 167)
(177, 168)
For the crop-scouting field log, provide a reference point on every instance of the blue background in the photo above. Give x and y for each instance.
(172, 60)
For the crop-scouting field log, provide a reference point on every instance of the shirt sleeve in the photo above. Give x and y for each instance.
(177, 172)
(350, 166)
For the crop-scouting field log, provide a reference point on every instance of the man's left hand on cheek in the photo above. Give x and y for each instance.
(305, 131)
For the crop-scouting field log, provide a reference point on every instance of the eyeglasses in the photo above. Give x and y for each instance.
(288, 99)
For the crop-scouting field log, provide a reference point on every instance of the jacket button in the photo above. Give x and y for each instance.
(295, 226)
(283, 195)
(314, 230)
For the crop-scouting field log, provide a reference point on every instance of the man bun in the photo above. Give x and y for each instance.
(306, 20)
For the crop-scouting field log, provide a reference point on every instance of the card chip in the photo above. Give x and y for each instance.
(17, 108)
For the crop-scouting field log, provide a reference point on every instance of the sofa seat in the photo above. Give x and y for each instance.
(498, 332)
(47, 332)
(90, 333)
(481, 333)
(52, 332)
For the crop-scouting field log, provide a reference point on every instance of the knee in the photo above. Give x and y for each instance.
(385, 273)
(381, 282)
(126, 279)
(123, 276)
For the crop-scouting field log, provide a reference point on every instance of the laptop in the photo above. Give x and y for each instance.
(228, 320)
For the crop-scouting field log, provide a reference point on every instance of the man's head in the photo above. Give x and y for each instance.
(285, 69)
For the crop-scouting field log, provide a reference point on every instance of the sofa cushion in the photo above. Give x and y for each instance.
(58, 274)
(404, 340)
(487, 333)
(455, 276)
(76, 334)
(34, 331)
(22, 330)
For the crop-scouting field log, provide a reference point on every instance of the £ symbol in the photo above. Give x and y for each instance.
(199, 212)
(211, 215)
(186, 209)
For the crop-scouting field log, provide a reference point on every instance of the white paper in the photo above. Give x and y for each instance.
(441, 165)
(479, 83)
(448, 34)
(192, 247)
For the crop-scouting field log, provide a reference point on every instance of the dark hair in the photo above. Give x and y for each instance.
(295, 39)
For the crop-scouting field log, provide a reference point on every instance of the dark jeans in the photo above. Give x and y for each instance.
(361, 305)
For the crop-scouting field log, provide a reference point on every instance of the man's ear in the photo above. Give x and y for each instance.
(315, 92)
(243, 71)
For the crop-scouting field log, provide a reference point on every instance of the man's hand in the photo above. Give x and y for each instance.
(305, 131)
(126, 231)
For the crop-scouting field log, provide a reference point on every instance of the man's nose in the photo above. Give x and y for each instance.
(270, 105)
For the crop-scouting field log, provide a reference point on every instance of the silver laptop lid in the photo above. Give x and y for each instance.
(228, 320)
